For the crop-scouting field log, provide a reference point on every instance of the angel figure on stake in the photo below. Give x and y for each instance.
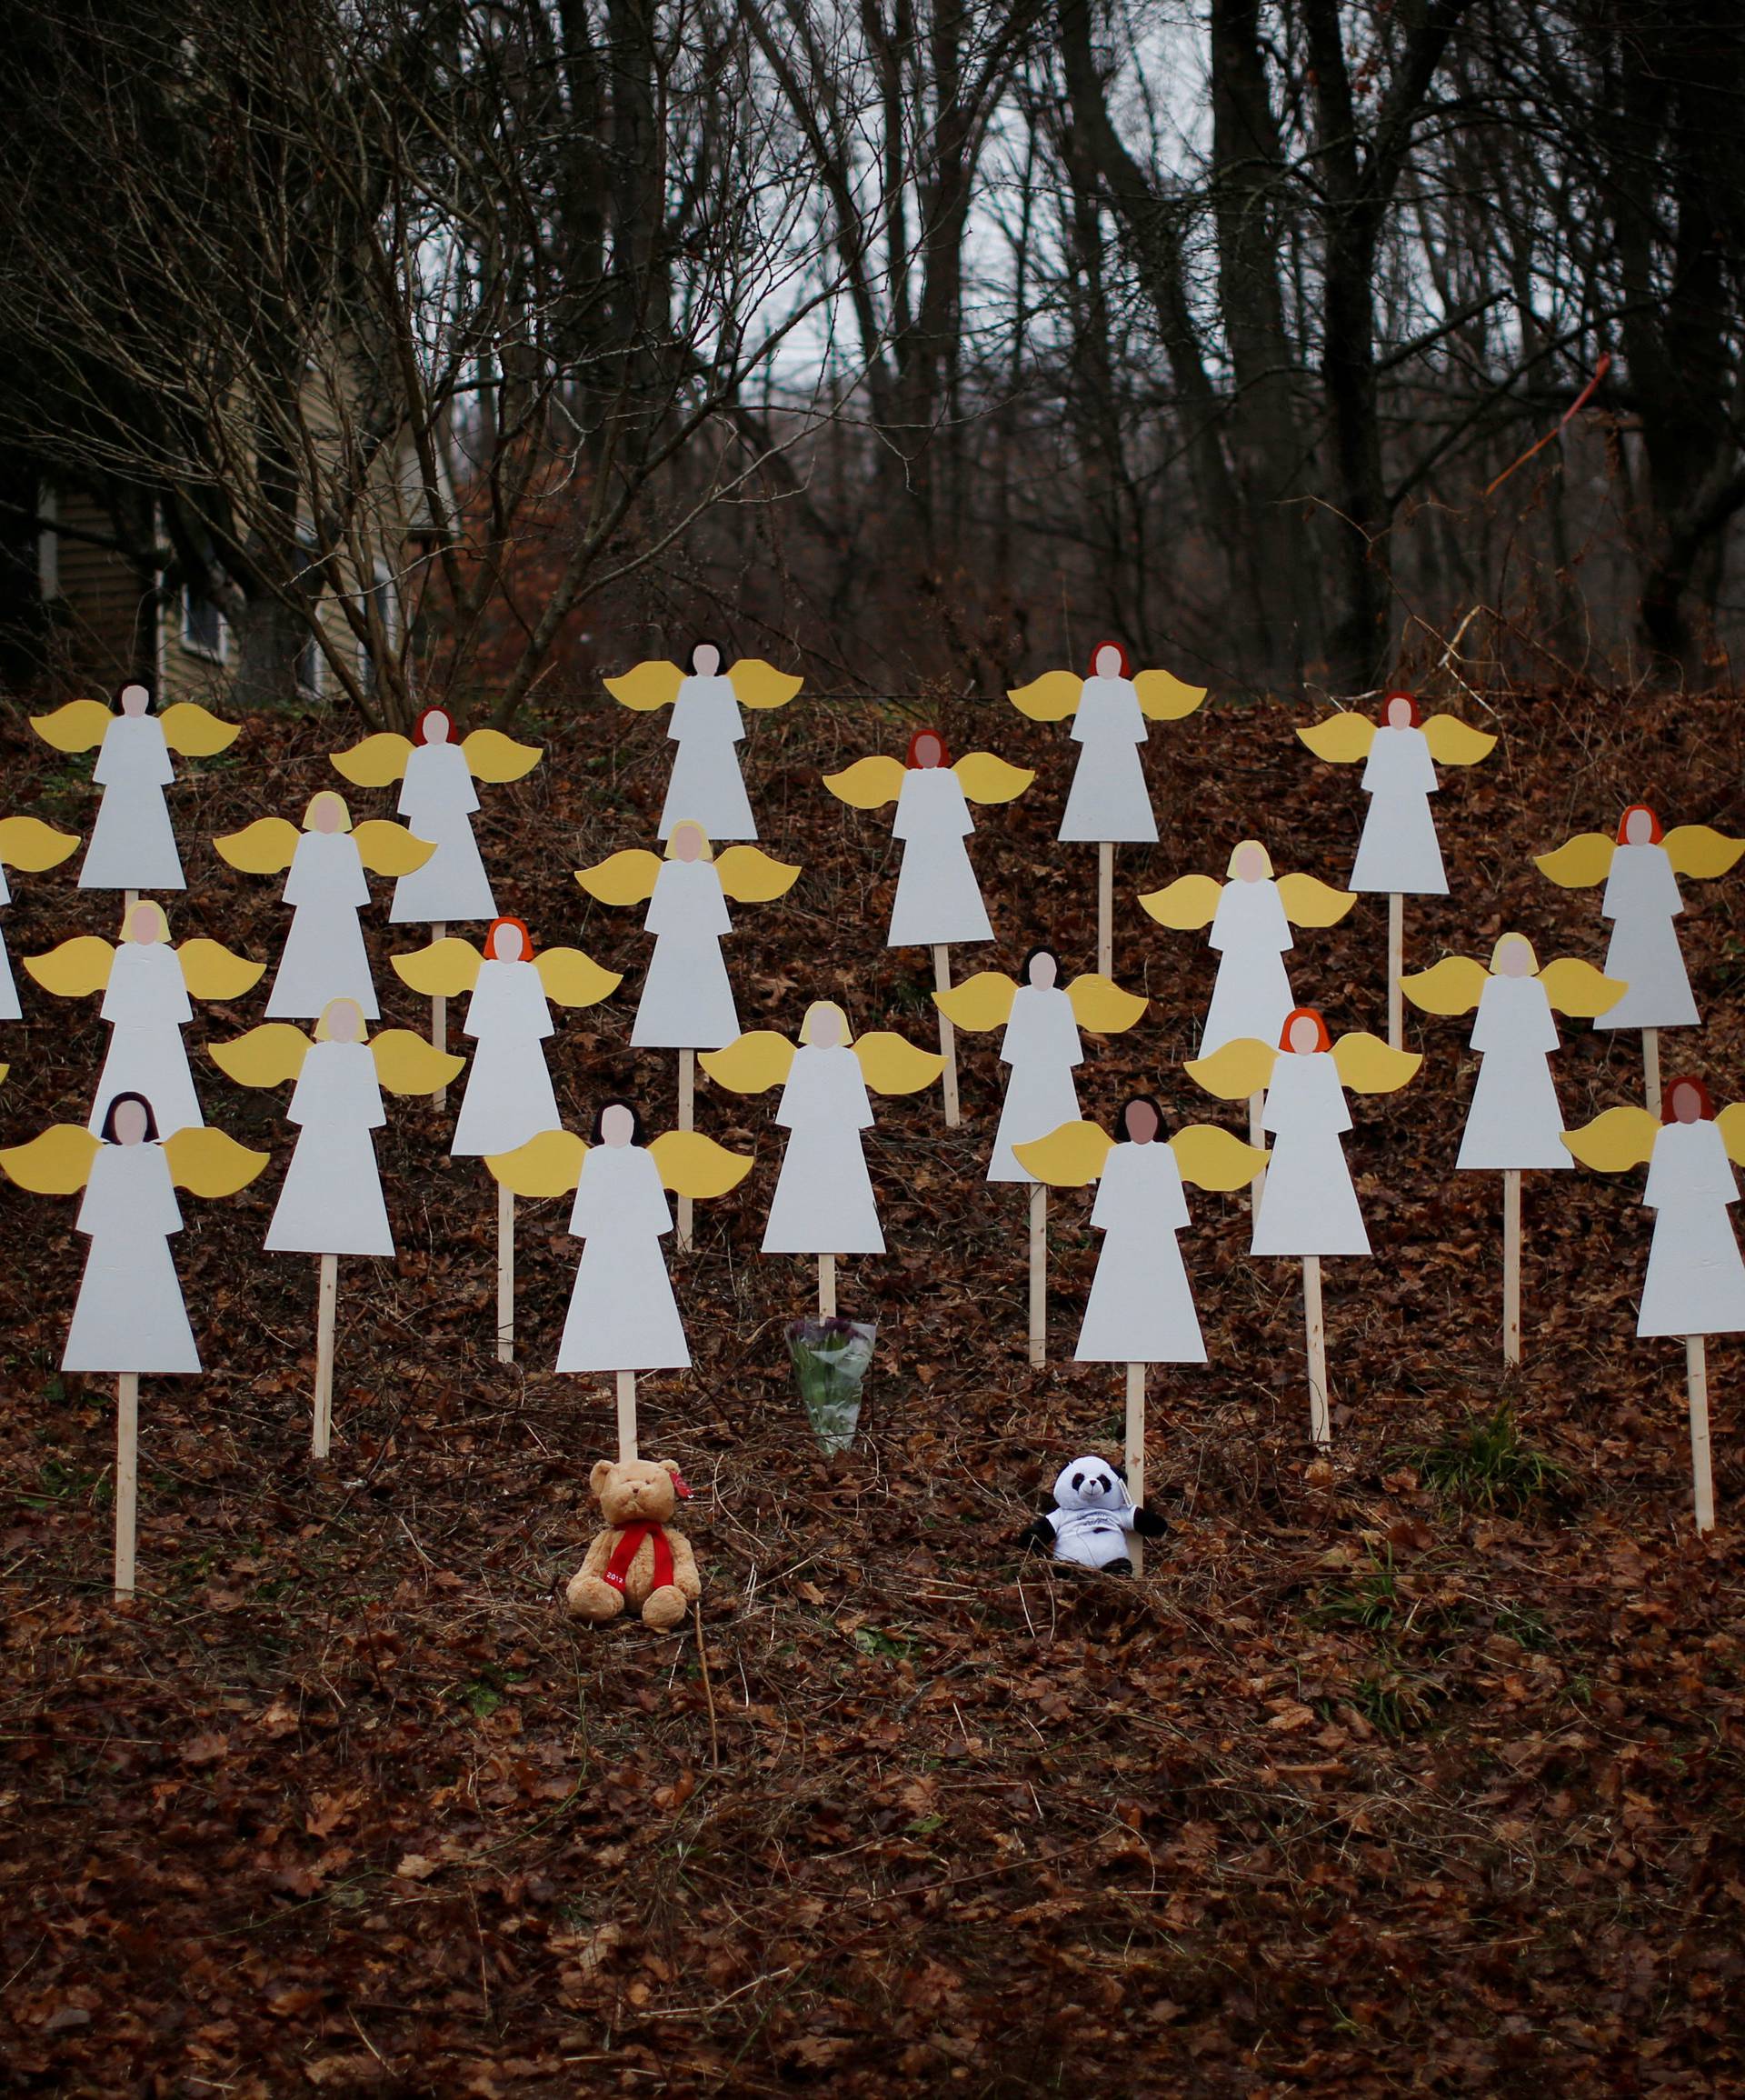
(1695, 1284)
(1109, 802)
(1514, 1123)
(622, 1315)
(331, 1203)
(132, 843)
(1308, 1208)
(1141, 1309)
(1041, 1046)
(130, 1319)
(324, 957)
(1399, 852)
(509, 1097)
(1641, 869)
(25, 842)
(146, 983)
(706, 785)
(824, 1203)
(938, 900)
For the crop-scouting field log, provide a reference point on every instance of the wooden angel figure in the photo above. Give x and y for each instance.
(1109, 801)
(623, 1316)
(130, 1319)
(25, 843)
(331, 1203)
(706, 786)
(824, 1203)
(147, 985)
(1695, 1284)
(1042, 1048)
(1398, 853)
(1641, 869)
(133, 845)
(1514, 1125)
(1141, 1309)
(324, 957)
(509, 1098)
(1308, 1208)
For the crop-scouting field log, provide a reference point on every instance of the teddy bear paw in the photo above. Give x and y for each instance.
(664, 1608)
(591, 1599)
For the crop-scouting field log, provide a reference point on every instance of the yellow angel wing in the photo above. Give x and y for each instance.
(211, 970)
(695, 1166)
(1698, 850)
(548, 1164)
(751, 877)
(1731, 1123)
(205, 1162)
(1187, 904)
(265, 1056)
(984, 777)
(1621, 1138)
(58, 1163)
(760, 685)
(76, 969)
(407, 1063)
(621, 878)
(80, 725)
(1342, 739)
(868, 784)
(27, 842)
(493, 757)
(1050, 698)
(197, 733)
(1067, 1157)
(1580, 865)
(1453, 985)
(1214, 1158)
(1239, 1069)
(890, 1065)
(652, 683)
(980, 1003)
(573, 979)
(1454, 742)
(1575, 987)
(1164, 697)
(265, 847)
(377, 761)
(1100, 1004)
(751, 1064)
(1309, 901)
(443, 970)
(1367, 1065)
(390, 849)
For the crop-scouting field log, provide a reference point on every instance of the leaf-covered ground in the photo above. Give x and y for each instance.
(1398, 1775)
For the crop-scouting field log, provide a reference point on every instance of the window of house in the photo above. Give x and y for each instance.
(205, 630)
(386, 597)
(309, 667)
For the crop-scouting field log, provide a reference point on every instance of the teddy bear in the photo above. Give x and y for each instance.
(1091, 1515)
(638, 1560)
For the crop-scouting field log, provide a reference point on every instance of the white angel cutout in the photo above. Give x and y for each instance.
(130, 1317)
(324, 957)
(437, 798)
(1695, 1284)
(147, 985)
(132, 843)
(25, 843)
(706, 785)
(1308, 1208)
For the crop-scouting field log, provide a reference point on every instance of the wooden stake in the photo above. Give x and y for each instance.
(1651, 1069)
(1696, 1385)
(127, 1478)
(326, 1302)
(1321, 1428)
(1038, 1274)
(826, 1287)
(505, 1274)
(439, 1018)
(1396, 965)
(626, 1416)
(687, 1121)
(1512, 1265)
(1134, 1453)
(1256, 1137)
(1106, 908)
(947, 1038)
(129, 898)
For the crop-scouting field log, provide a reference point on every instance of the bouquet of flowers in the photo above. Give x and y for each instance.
(829, 1360)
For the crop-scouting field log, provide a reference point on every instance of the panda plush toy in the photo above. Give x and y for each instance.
(1091, 1519)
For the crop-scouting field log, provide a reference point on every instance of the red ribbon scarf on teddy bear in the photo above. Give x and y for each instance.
(629, 1543)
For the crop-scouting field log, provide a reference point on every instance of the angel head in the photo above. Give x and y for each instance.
(128, 1120)
(617, 1122)
(706, 659)
(342, 1021)
(1109, 660)
(1040, 969)
(134, 698)
(1249, 862)
(1686, 1100)
(1140, 1120)
(825, 1026)
(1639, 825)
(435, 725)
(1513, 957)
(689, 842)
(1399, 711)
(1304, 1032)
(926, 751)
(509, 941)
(326, 813)
(143, 922)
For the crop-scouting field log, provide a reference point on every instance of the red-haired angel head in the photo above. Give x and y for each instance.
(425, 730)
(1292, 1028)
(1097, 669)
(1390, 703)
(1686, 1100)
(934, 745)
(523, 951)
(1651, 837)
